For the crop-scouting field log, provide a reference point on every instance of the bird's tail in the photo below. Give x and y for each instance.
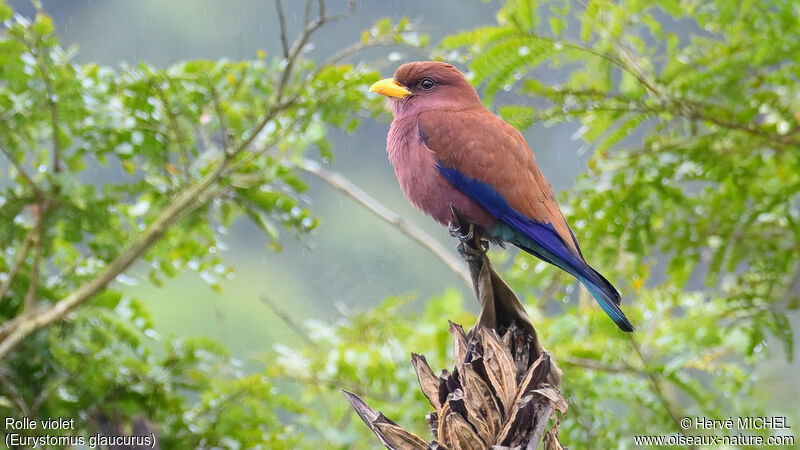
(601, 289)
(606, 295)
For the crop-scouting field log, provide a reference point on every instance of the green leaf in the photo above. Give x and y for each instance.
(43, 24)
(5, 12)
(557, 25)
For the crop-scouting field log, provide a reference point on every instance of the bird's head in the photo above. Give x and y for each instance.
(427, 85)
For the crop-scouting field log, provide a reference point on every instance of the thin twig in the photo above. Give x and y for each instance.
(342, 184)
(172, 120)
(792, 292)
(321, 4)
(301, 41)
(747, 128)
(22, 173)
(267, 119)
(223, 127)
(628, 57)
(291, 56)
(287, 319)
(307, 13)
(607, 56)
(282, 24)
(656, 386)
(593, 364)
(551, 290)
(15, 394)
(22, 253)
(30, 297)
(357, 47)
(51, 95)
(252, 155)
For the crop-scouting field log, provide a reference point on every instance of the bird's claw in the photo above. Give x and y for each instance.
(470, 245)
(468, 253)
(467, 246)
(456, 232)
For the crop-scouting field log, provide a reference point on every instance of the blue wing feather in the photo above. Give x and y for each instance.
(540, 240)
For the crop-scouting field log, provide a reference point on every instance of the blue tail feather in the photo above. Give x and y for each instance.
(608, 300)
(540, 240)
(606, 295)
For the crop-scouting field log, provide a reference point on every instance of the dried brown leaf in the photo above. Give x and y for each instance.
(555, 398)
(399, 438)
(551, 440)
(480, 397)
(456, 401)
(535, 376)
(460, 434)
(520, 417)
(508, 337)
(369, 416)
(500, 368)
(432, 418)
(444, 437)
(472, 414)
(542, 412)
(459, 344)
(428, 382)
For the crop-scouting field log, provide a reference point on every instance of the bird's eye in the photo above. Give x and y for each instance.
(427, 84)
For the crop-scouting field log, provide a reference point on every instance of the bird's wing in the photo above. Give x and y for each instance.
(489, 161)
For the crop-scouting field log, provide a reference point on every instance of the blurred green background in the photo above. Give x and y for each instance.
(352, 261)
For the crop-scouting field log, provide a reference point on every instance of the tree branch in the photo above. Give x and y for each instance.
(696, 114)
(791, 293)
(15, 394)
(656, 386)
(357, 47)
(301, 41)
(282, 24)
(604, 55)
(30, 297)
(223, 127)
(172, 120)
(551, 289)
(342, 184)
(22, 173)
(53, 106)
(191, 198)
(18, 261)
(267, 118)
(287, 319)
(592, 364)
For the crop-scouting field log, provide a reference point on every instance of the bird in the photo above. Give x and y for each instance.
(448, 149)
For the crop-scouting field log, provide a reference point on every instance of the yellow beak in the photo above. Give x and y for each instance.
(390, 88)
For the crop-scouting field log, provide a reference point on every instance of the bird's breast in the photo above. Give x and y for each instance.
(416, 169)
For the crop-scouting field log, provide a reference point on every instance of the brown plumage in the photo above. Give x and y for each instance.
(485, 148)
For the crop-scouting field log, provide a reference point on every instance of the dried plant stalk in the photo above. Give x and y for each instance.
(503, 390)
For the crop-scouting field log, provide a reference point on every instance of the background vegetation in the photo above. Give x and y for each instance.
(688, 118)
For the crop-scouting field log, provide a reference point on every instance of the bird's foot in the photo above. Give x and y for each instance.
(468, 253)
(467, 247)
(470, 245)
(457, 232)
